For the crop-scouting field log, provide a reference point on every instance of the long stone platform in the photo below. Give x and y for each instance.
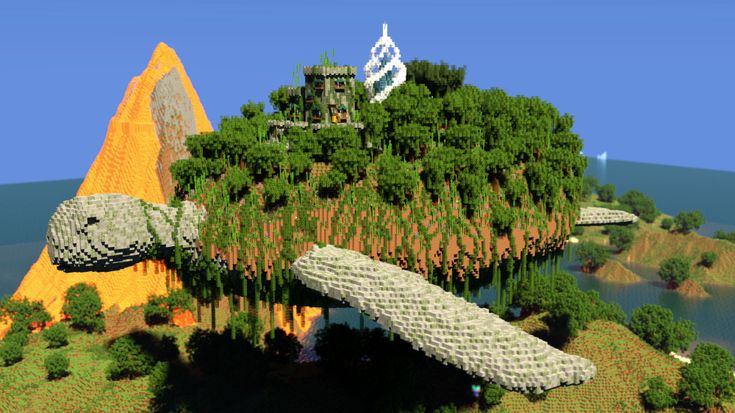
(602, 216)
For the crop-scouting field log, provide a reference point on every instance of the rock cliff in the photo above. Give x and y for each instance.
(160, 107)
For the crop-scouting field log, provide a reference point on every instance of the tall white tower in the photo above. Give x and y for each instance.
(384, 71)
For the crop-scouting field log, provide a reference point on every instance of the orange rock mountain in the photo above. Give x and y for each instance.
(160, 107)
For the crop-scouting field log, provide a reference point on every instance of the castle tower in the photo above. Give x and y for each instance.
(329, 94)
(384, 71)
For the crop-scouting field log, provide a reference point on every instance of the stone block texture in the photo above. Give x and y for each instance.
(439, 323)
(604, 216)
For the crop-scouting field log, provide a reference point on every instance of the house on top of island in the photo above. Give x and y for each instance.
(328, 95)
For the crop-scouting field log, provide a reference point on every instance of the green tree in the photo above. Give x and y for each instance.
(300, 165)
(439, 79)
(492, 395)
(667, 223)
(57, 365)
(129, 360)
(252, 110)
(282, 347)
(279, 99)
(304, 141)
(591, 256)
(606, 193)
(11, 352)
(724, 235)
(397, 180)
(24, 315)
(156, 311)
(57, 335)
(411, 140)
(352, 162)
(464, 136)
(83, 305)
(410, 103)
(330, 184)
(657, 394)
(674, 270)
(688, 221)
(275, 192)
(708, 380)
(655, 325)
(375, 119)
(464, 106)
(333, 138)
(639, 204)
(589, 186)
(238, 182)
(708, 259)
(621, 237)
(264, 160)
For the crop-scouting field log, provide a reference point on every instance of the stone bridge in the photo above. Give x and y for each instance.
(602, 216)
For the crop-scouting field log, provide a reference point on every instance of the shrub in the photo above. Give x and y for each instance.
(621, 237)
(656, 394)
(639, 204)
(19, 336)
(577, 230)
(447, 408)
(157, 311)
(492, 395)
(727, 236)
(352, 162)
(589, 186)
(300, 165)
(606, 193)
(396, 180)
(667, 223)
(330, 184)
(655, 325)
(332, 138)
(158, 380)
(275, 192)
(591, 256)
(238, 182)
(57, 335)
(674, 270)
(282, 347)
(128, 359)
(57, 365)
(708, 259)
(23, 314)
(11, 352)
(180, 299)
(688, 221)
(411, 140)
(263, 160)
(708, 380)
(303, 141)
(83, 305)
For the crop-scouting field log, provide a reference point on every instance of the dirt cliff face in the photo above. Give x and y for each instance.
(146, 134)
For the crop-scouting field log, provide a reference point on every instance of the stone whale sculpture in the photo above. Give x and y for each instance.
(109, 231)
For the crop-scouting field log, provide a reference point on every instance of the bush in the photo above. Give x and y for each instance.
(577, 230)
(19, 336)
(333, 138)
(640, 204)
(727, 236)
(128, 359)
(158, 380)
(396, 180)
(302, 141)
(238, 182)
(589, 186)
(656, 394)
(282, 347)
(655, 325)
(688, 221)
(83, 305)
(23, 314)
(492, 395)
(11, 352)
(300, 165)
(263, 160)
(674, 270)
(606, 193)
(591, 256)
(275, 192)
(156, 310)
(708, 380)
(352, 162)
(56, 336)
(57, 365)
(330, 184)
(621, 237)
(667, 223)
(708, 259)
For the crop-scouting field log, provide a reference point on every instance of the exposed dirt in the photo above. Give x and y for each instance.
(616, 272)
(692, 289)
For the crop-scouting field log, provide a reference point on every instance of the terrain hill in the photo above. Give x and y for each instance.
(146, 134)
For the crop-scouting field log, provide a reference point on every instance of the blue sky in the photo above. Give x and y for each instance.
(647, 80)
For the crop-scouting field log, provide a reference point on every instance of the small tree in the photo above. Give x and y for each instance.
(57, 365)
(639, 204)
(11, 352)
(688, 221)
(57, 335)
(128, 359)
(492, 394)
(674, 270)
(708, 380)
(657, 394)
(83, 305)
(282, 347)
(396, 180)
(275, 192)
(591, 256)
(330, 184)
(589, 186)
(156, 310)
(708, 259)
(667, 223)
(606, 193)
(621, 237)
(655, 325)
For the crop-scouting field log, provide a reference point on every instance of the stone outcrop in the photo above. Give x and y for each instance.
(604, 216)
(110, 231)
(128, 163)
(439, 323)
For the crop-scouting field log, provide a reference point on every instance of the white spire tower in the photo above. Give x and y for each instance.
(384, 71)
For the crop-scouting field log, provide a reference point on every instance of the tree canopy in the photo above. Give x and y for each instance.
(686, 222)
(639, 204)
(439, 79)
(708, 380)
(655, 325)
(674, 270)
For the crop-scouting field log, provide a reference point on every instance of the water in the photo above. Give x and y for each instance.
(26, 208)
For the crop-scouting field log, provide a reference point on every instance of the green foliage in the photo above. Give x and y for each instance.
(655, 325)
(129, 360)
(185, 171)
(333, 138)
(252, 110)
(464, 106)
(470, 187)
(515, 189)
(159, 378)
(439, 79)
(687, 221)
(244, 363)
(447, 408)
(439, 165)
(275, 192)
(20, 335)
(674, 270)
(708, 259)
(238, 182)
(331, 183)
(408, 104)
(264, 160)
(657, 394)
(492, 395)
(723, 235)
(300, 165)
(464, 136)
(591, 256)
(156, 310)
(577, 230)
(397, 180)
(708, 380)
(667, 223)
(24, 315)
(589, 186)
(83, 305)
(639, 204)
(282, 347)
(375, 119)
(411, 140)
(621, 237)
(11, 352)
(247, 326)
(57, 365)
(351, 162)
(502, 219)
(279, 99)
(57, 335)
(606, 193)
(304, 141)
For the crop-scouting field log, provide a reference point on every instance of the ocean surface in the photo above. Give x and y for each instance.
(26, 208)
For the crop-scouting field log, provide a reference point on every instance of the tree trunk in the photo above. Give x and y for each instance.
(199, 311)
(214, 315)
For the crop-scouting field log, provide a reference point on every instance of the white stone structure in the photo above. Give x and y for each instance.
(384, 71)
(441, 324)
(604, 216)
